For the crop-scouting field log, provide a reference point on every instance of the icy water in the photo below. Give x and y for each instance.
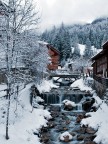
(63, 120)
(56, 96)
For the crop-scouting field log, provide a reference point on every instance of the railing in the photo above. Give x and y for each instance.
(101, 80)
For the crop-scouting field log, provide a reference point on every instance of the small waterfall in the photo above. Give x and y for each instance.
(79, 107)
(61, 95)
(60, 99)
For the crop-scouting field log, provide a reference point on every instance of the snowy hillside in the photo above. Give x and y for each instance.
(82, 49)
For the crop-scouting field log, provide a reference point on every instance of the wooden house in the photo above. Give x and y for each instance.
(54, 55)
(100, 70)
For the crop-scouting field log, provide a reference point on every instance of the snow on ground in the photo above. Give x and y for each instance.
(23, 122)
(81, 85)
(99, 121)
(46, 86)
(82, 48)
(39, 99)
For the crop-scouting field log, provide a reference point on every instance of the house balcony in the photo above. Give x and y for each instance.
(102, 80)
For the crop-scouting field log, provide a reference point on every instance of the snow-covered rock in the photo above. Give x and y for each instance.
(68, 105)
(66, 136)
(68, 102)
(39, 99)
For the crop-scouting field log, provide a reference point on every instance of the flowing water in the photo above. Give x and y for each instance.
(54, 98)
(79, 107)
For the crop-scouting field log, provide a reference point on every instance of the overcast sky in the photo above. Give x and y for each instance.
(54, 12)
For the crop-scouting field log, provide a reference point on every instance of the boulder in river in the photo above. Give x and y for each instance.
(80, 137)
(90, 130)
(87, 104)
(45, 138)
(65, 137)
(79, 118)
(68, 105)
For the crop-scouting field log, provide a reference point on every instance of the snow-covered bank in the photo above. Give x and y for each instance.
(81, 85)
(99, 121)
(23, 122)
(46, 86)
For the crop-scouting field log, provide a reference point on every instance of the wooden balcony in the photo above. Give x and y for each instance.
(102, 80)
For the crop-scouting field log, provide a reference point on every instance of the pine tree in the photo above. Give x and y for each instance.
(105, 38)
(76, 52)
(88, 49)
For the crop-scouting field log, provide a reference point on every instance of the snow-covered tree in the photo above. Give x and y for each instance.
(88, 49)
(20, 16)
(105, 38)
(74, 43)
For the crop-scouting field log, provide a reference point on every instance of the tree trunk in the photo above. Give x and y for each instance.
(7, 118)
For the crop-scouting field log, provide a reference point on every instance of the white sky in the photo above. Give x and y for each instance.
(54, 12)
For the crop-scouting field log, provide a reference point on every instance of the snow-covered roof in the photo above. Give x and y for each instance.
(49, 46)
(99, 54)
(105, 45)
